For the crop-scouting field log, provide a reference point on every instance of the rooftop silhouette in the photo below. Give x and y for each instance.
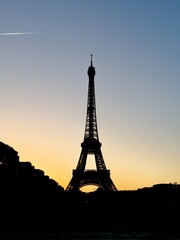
(31, 201)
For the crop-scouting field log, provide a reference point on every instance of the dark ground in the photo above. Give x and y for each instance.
(89, 236)
(33, 206)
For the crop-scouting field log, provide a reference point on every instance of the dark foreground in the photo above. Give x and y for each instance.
(33, 206)
(144, 214)
(85, 235)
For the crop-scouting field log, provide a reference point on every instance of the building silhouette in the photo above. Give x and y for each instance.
(91, 146)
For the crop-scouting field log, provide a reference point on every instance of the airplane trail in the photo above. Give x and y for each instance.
(16, 33)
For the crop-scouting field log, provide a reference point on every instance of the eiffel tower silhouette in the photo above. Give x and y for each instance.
(91, 146)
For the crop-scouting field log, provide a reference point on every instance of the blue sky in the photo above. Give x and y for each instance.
(43, 79)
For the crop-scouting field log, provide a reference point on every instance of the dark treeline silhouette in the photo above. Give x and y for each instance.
(31, 201)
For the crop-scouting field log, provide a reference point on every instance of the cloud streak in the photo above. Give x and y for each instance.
(16, 33)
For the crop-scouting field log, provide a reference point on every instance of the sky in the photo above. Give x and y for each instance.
(45, 49)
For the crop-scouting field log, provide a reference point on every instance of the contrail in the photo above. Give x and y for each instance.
(15, 33)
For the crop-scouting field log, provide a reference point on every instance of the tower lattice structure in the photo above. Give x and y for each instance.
(91, 146)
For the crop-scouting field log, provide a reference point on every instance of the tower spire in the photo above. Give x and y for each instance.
(91, 69)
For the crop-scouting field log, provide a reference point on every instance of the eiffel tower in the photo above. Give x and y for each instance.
(91, 146)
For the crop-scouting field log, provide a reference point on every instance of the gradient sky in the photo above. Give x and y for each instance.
(45, 48)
